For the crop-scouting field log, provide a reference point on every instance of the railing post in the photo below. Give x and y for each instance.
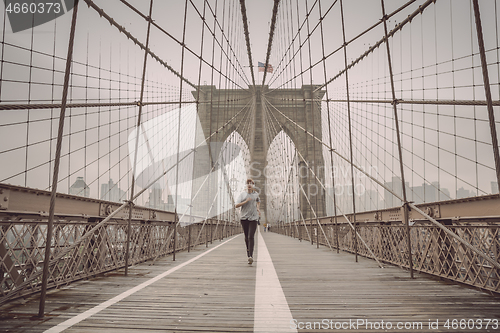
(337, 234)
(356, 237)
(223, 229)
(332, 232)
(129, 230)
(317, 234)
(224, 233)
(300, 233)
(175, 238)
(311, 232)
(406, 212)
(189, 238)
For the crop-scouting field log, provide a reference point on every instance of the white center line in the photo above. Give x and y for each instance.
(271, 313)
(98, 308)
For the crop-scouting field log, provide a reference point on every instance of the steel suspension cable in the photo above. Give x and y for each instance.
(400, 26)
(429, 218)
(353, 226)
(102, 13)
(207, 178)
(312, 106)
(91, 232)
(217, 23)
(134, 166)
(301, 44)
(247, 38)
(487, 89)
(302, 71)
(202, 16)
(336, 152)
(329, 128)
(50, 223)
(398, 138)
(271, 36)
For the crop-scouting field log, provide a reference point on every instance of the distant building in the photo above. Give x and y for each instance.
(418, 194)
(156, 197)
(111, 192)
(397, 187)
(344, 199)
(80, 188)
(368, 200)
(444, 194)
(329, 201)
(429, 193)
(494, 187)
(463, 193)
(183, 205)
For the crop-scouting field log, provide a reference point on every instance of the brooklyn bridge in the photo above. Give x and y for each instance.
(129, 128)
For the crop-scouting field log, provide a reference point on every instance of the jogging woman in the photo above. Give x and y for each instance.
(250, 212)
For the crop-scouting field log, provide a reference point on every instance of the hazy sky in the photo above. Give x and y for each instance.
(432, 59)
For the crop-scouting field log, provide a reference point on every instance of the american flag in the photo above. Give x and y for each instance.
(262, 66)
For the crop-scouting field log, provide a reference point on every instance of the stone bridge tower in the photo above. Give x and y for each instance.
(302, 106)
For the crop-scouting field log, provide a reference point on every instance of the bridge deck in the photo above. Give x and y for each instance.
(215, 290)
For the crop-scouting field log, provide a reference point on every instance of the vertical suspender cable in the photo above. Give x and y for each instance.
(225, 184)
(50, 223)
(212, 91)
(350, 133)
(271, 36)
(312, 104)
(247, 38)
(295, 108)
(487, 89)
(218, 134)
(329, 131)
(137, 129)
(398, 135)
(176, 199)
(198, 91)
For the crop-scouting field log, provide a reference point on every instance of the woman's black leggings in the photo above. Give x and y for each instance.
(249, 228)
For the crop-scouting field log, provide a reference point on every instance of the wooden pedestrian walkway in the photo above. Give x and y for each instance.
(292, 287)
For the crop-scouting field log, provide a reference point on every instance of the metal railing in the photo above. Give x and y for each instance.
(22, 248)
(433, 251)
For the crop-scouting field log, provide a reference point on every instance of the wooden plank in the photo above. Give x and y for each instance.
(216, 293)
(198, 296)
(321, 284)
